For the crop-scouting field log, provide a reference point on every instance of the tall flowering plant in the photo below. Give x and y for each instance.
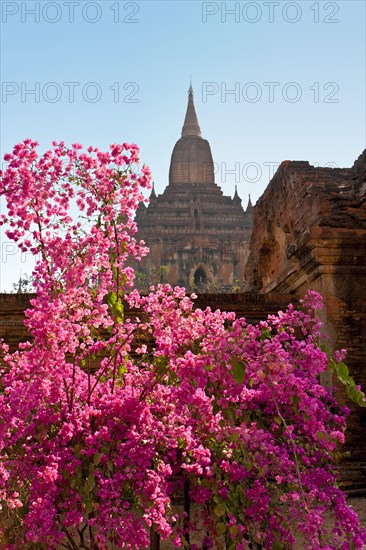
(103, 418)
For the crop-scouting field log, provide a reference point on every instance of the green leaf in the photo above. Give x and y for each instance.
(238, 370)
(77, 448)
(97, 458)
(295, 401)
(346, 379)
(161, 365)
(342, 371)
(122, 370)
(181, 443)
(89, 505)
(220, 509)
(247, 466)
(220, 528)
(278, 545)
(118, 311)
(266, 334)
(356, 396)
(74, 483)
(111, 298)
(172, 378)
(90, 483)
(116, 306)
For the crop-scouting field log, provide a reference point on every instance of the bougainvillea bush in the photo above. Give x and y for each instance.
(105, 419)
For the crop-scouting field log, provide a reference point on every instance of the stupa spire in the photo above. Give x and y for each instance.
(153, 194)
(191, 160)
(236, 197)
(250, 205)
(191, 126)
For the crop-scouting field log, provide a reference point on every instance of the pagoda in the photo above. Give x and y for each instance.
(197, 236)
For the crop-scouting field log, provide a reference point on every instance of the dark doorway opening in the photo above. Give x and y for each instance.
(200, 277)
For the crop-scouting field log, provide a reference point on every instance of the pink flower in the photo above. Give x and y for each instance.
(106, 419)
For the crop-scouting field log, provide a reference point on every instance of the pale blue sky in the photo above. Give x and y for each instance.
(144, 52)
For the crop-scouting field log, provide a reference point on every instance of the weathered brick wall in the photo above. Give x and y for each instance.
(250, 305)
(310, 232)
(12, 329)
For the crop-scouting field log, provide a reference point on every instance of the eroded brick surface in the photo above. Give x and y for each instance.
(310, 233)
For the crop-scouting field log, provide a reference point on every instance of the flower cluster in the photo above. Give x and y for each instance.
(103, 419)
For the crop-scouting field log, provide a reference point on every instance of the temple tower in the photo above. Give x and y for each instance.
(197, 236)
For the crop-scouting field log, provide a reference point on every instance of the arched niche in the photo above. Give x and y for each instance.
(200, 277)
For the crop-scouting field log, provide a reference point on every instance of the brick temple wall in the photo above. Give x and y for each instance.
(251, 305)
(310, 233)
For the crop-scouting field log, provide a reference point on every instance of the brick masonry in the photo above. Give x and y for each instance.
(310, 233)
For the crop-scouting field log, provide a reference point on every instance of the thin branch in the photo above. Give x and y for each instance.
(295, 454)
